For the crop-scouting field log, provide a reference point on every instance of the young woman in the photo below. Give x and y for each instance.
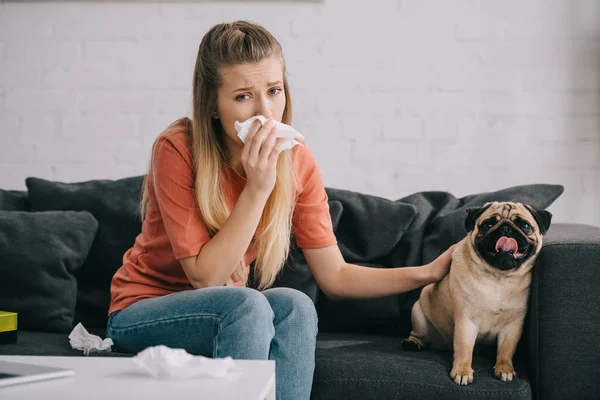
(212, 205)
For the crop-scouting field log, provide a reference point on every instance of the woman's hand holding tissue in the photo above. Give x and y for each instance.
(259, 157)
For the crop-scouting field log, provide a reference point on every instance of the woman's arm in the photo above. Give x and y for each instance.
(220, 255)
(338, 279)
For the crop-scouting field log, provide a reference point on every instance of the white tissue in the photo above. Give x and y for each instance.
(283, 131)
(165, 362)
(80, 339)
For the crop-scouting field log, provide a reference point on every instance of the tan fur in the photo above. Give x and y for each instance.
(476, 302)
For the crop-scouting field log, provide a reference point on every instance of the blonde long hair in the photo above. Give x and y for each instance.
(227, 44)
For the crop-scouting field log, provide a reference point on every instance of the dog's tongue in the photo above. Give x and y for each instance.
(507, 244)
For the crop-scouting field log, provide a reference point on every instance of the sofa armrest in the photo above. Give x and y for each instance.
(564, 314)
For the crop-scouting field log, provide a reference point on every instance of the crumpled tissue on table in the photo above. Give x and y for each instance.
(165, 362)
(81, 339)
(283, 131)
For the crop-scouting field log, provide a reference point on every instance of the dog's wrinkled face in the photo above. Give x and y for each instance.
(507, 234)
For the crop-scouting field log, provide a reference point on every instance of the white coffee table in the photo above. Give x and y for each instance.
(119, 378)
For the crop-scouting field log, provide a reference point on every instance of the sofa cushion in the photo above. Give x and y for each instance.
(369, 227)
(115, 204)
(39, 252)
(14, 200)
(33, 343)
(354, 366)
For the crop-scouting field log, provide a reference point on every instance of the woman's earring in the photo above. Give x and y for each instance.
(215, 115)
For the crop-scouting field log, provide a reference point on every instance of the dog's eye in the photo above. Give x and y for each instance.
(526, 228)
(485, 226)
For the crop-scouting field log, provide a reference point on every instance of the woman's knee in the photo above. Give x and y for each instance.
(250, 308)
(250, 301)
(288, 303)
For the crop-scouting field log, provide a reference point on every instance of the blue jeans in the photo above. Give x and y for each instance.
(278, 324)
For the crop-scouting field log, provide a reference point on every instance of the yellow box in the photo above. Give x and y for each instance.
(8, 327)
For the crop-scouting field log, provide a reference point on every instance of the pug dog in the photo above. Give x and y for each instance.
(484, 296)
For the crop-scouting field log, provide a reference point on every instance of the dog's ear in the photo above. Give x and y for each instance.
(542, 217)
(472, 214)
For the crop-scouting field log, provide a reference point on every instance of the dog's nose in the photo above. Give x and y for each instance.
(506, 229)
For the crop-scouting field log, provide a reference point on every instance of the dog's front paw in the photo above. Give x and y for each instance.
(462, 374)
(505, 372)
(411, 344)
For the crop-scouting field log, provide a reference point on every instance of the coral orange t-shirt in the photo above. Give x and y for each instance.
(173, 228)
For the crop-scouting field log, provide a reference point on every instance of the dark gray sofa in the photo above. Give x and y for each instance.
(358, 352)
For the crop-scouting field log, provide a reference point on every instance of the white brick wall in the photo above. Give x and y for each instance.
(393, 96)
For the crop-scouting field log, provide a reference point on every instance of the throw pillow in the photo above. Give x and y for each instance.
(115, 204)
(14, 200)
(39, 252)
